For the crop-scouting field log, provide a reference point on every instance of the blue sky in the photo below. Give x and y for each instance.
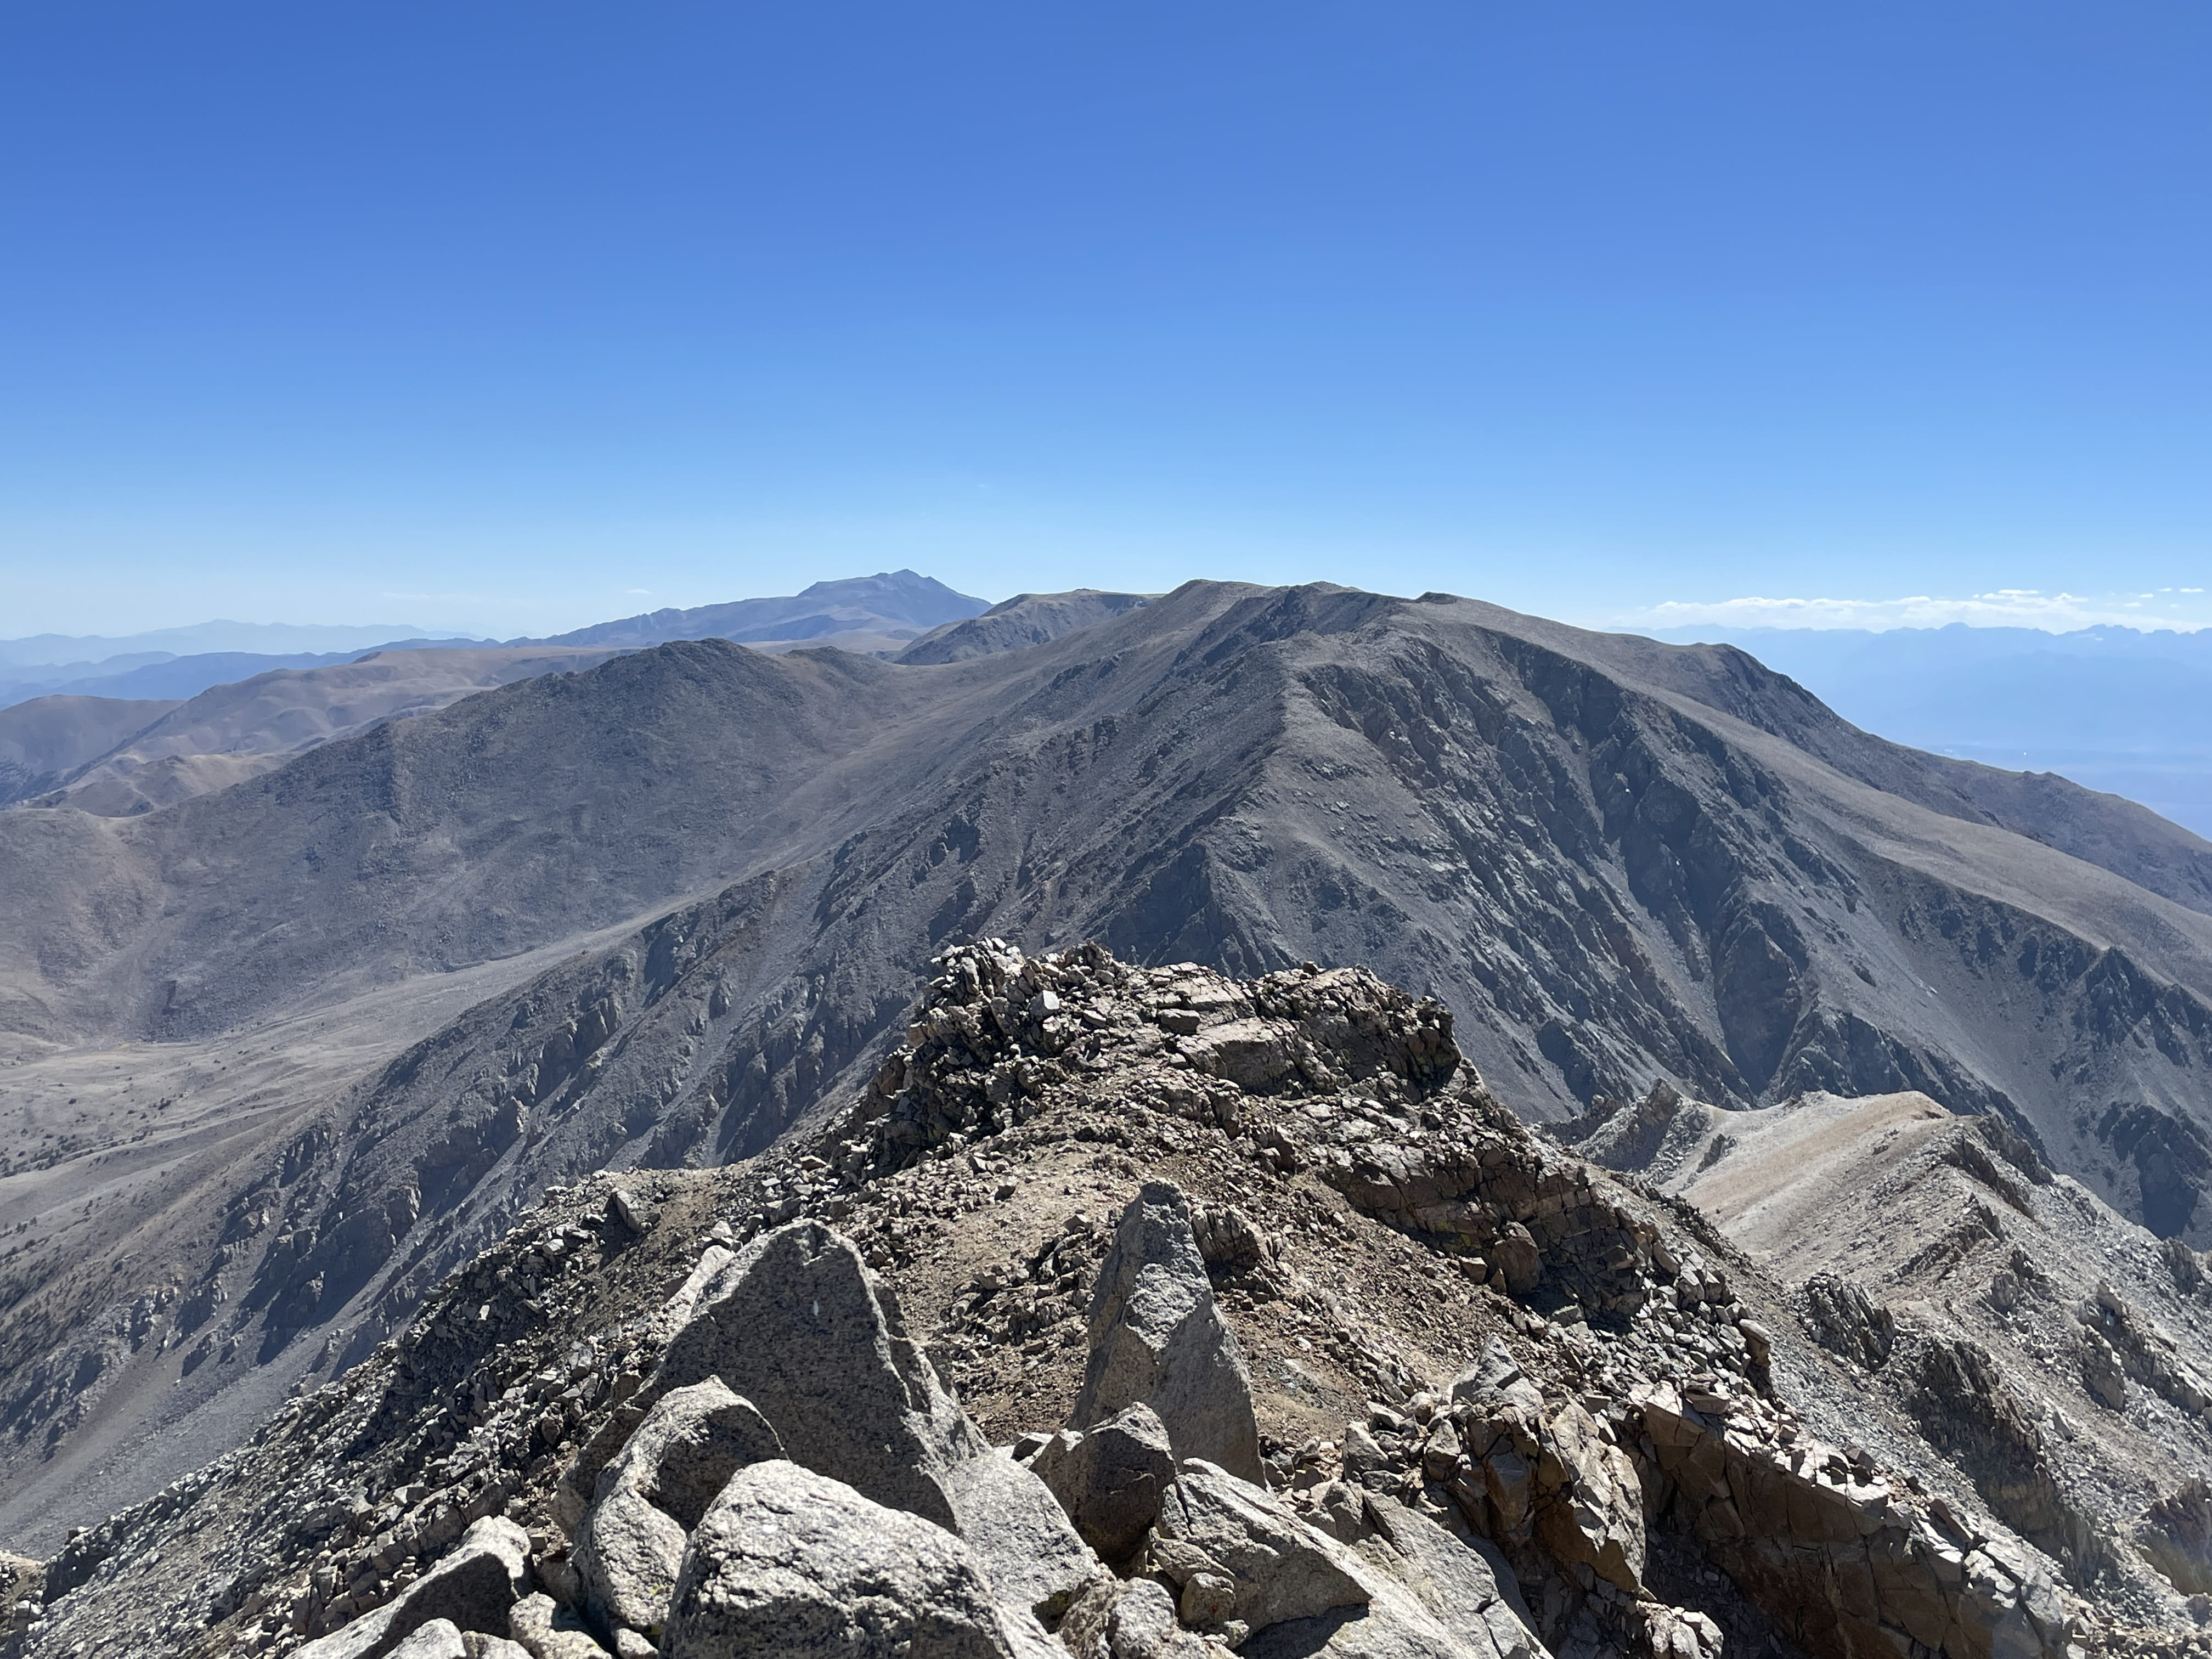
(510, 316)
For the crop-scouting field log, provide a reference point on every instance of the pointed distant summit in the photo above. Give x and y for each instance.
(885, 609)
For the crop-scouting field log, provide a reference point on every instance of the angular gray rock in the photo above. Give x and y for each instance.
(545, 1629)
(650, 1496)
(1514, 1252)
(788, 1562)
(1408, 1589)
(1678, 1633)
(797, 1325)
(1131, 1620)
(2102, 1375)
(474, 1587)
(440, 1638)
(1493, 1378)
(1455, 1583)
(1593, 1511)
(1394, 1625)
(1156, 1338)
(1021, 1538)
(1110, 1478)
(1282, 1568)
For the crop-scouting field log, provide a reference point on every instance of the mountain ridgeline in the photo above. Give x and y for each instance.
(680, 901)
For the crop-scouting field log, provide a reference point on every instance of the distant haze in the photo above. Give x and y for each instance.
(2113, 708)
(198, 638)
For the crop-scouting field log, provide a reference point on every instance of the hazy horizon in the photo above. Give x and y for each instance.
(1717, 621)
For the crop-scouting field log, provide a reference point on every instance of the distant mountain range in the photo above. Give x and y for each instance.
(117, 743)
(2114, 709)
(889, 609)
(66, 653)
(879, 614)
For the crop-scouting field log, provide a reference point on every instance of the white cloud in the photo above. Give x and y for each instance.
(2003, 607)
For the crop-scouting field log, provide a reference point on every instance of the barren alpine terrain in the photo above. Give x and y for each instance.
(283, 1056)
(1144, 1313)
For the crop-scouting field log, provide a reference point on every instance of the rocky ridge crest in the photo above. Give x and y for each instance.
(1505, 1402)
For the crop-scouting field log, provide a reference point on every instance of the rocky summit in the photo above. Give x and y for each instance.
(277, 1058)
(1132, 1313)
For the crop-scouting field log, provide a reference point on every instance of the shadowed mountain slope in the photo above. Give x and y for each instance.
(230, 733)
(1614, 859)
(42, 742)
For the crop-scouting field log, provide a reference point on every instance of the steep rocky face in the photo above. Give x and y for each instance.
(1611, 861)
(2057, 1353)
(1450, 1466)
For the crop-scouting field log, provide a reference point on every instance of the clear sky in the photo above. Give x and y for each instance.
(513, 316)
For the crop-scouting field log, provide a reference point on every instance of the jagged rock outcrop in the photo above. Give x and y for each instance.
(2048, 1349)
(1847, 1319)
(1519, 1213)
(1157, 1340)
(473, 1589)
(1854, 1567)
(2176, 1535)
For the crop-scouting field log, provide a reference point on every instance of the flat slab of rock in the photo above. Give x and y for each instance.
(649, 1497)
(1157, 1339)
(788, 1562)
(1022, 1538)
(1280, 1567)
(475, 1586)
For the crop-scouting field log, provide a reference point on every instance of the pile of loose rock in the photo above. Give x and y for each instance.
(793, 1480)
